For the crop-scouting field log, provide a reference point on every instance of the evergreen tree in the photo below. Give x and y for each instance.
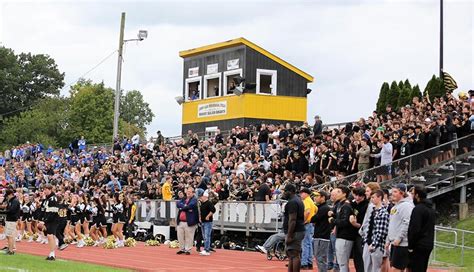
(393, 95)
(404, 98)
(434, 87)
(382, 101)
(415, 92)
(401, 85)
(407, 84)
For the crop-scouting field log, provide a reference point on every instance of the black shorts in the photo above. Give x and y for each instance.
(119, 218)
(399, 257)
(51, 228)
(75, 220)
(26, 218)
(100, 221)
(296, 243)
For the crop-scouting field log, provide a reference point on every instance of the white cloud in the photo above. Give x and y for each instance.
(349, 48)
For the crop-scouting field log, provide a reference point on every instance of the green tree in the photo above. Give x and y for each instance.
(393, 94)
(382, 101)
(404, 98)
(46, 123)
(91, 112)
(401, 85)
(407, 84)
(415, 92)
(434, 87)
(135, 110)
(25, 79)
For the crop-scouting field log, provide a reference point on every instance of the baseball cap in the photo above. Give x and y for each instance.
(305, 190)
(401, 187)
(199, 192)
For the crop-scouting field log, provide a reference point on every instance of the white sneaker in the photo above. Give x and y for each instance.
(79, 245)
(120, 244)
(30, 239)
(262, 249)
(73, 242)
(96, 244)
(204, 253)
(18, 239)
(2, 236)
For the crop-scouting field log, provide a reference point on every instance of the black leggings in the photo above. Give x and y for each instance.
(60, 232)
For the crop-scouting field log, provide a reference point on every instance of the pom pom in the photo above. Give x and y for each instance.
(130, 242)
(152, 242)
(89, 241)
(174, 244)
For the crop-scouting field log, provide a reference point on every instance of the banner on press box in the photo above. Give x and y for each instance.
(212, 109)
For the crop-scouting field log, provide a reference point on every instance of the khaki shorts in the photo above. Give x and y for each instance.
(10, 229)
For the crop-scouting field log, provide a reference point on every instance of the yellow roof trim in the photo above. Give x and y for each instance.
(239, 41)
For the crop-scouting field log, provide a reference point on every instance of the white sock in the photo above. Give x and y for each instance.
(51, 254)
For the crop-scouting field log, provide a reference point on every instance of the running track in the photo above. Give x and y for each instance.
(163, 259)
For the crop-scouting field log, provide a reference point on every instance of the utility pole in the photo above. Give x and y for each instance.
(441, 40)
(119, 76)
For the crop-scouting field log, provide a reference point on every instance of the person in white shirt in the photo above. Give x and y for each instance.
(386, 158)
(136, 140)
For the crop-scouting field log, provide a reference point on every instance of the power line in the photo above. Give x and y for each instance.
(90, 70)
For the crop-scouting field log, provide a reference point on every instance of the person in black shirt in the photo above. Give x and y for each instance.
(293, 226)
(13, 214)
(359, 206)
(345, 232)
(322, 230)
(51, 219)
(62, 222)
(264, 192)
(206, 210)
(263, 140)
(420, 230)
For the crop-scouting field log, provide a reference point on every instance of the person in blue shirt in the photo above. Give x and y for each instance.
(2, 159)
(82, 144)
(114, 182)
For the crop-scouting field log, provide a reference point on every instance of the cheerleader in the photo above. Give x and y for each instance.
(87, 217)
(62, 222)
(75, 212)
(37, 217)
(27, 208)
(119, 217)
(99, 225)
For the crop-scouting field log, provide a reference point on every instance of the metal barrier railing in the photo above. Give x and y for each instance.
(243, 216)
(428, 167)
(452, 240)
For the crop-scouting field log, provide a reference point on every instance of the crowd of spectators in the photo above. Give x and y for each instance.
(249, 163)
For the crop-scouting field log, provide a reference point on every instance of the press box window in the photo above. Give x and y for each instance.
(212, 85)
(193, 88)
(266, 82)
(229, 85)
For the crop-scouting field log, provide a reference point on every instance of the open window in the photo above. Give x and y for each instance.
(229, 85)
(192, 88)
(266, 82)
(212, 85)
(211, 132)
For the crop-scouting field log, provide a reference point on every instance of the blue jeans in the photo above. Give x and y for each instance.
(206, 228)
(263, 148)
(332, 262)
(307, 252)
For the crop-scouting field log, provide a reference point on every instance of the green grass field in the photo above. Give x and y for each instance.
(24, 262)
(452, 255)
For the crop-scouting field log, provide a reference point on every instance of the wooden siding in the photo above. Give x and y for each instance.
(288, 82)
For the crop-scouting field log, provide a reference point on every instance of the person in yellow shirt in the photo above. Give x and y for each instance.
(166, 190)
(310, 210)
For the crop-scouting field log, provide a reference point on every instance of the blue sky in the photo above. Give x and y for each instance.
(350, 47)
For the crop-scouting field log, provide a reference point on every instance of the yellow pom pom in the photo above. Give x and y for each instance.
(130, 242)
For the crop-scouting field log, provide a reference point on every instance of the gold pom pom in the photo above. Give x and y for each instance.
(89, 241)
(152, 242)
(174, 244)
(130, 242)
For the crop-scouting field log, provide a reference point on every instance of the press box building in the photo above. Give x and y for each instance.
(278, 95)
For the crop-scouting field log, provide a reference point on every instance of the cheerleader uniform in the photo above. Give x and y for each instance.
(74, 217)
(98, 216)
(26, 210)
(88, 214)
(80, 211)
(119, 213)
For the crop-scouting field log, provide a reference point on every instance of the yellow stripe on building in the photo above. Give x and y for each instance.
(248, 106)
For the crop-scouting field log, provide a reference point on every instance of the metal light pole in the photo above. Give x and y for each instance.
(441, 39)
(142, 34)
(119, 78)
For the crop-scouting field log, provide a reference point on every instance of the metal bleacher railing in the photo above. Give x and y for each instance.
(442, 168)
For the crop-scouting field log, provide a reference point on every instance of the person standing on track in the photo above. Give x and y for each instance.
(293, 227)
(51, 219)
(13, 213)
